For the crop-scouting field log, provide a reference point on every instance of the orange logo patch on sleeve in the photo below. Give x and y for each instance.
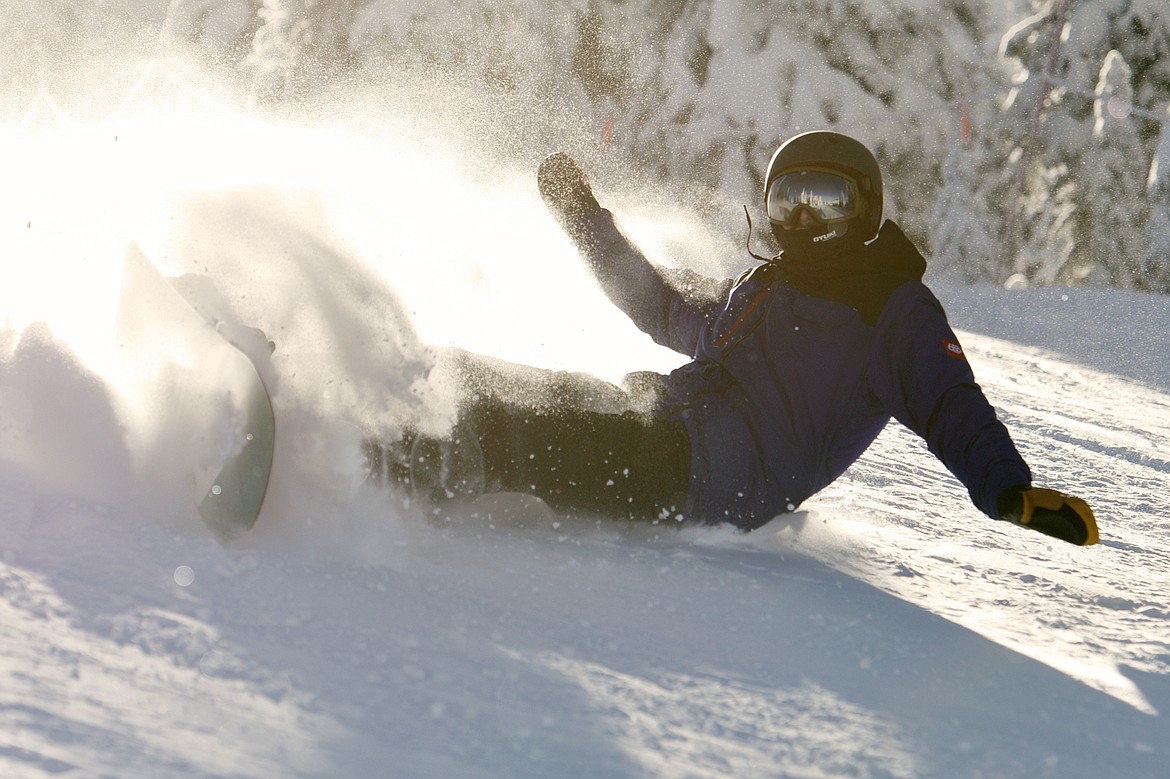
(953, 349)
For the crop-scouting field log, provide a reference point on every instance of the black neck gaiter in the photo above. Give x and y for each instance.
(862, 278)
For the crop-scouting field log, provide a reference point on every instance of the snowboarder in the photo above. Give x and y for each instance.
(796, 368)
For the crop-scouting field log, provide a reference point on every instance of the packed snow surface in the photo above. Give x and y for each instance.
(886, 629)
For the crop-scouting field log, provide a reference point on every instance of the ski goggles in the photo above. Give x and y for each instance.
(828, 196)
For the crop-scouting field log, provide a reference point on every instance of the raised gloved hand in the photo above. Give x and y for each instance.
(565, 191)
(1051, 513)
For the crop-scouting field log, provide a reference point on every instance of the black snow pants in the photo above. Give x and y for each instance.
(582, 445)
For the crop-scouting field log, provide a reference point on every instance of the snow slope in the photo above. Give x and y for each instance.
(886, 629)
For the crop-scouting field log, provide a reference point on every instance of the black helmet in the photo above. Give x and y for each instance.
(823, 194)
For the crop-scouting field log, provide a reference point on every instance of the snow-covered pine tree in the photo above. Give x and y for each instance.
(1061, 182)
(962, 240)
(1112, 205)
(977, 179)
(1035, 210)
(1140, 30)
(1156, 257)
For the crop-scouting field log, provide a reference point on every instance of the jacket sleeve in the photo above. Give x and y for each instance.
(672, 306)
(927, 384)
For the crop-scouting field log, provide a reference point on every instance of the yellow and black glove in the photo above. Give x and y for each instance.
(1051, 513)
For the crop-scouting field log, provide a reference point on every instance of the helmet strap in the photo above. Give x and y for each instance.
(749, 238)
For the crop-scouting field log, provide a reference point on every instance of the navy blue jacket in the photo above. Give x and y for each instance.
(786, 389)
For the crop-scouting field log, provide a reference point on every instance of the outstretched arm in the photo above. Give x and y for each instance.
(929, 387)
(672, 306)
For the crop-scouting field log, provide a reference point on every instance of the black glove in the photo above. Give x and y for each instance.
(1051, 513)
(565, 191)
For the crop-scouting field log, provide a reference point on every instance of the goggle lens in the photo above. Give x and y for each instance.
(828, 196)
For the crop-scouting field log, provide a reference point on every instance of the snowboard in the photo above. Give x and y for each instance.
(202, 413)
